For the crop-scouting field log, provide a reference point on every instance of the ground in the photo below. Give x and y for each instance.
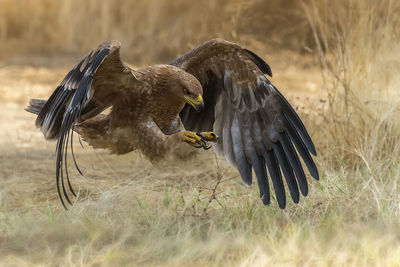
(193, 210)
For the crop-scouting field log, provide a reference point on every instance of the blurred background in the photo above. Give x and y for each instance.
(152, 31)
(336, 61)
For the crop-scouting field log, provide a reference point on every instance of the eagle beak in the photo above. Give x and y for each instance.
(197, 103)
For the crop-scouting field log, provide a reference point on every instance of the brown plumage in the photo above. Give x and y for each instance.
(155, 108)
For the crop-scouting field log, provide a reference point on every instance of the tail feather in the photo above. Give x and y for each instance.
(35, 106)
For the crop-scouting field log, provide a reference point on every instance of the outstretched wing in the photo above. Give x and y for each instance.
(86, 91)
(258, 128)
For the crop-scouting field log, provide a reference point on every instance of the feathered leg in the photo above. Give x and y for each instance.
(97, 133)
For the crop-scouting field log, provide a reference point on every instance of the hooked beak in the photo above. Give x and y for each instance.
(197, 103)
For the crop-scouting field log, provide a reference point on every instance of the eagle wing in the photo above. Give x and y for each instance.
(88, 89)
(257, 126)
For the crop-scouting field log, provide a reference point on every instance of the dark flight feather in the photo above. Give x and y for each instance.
(261, 64)
(71, 100)
(263, 126)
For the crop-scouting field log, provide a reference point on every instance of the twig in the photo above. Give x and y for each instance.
(213, 195)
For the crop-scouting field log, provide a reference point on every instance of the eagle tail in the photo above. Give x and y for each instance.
(35, 106)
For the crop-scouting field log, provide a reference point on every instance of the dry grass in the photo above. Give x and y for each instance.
(132, 213)
(153, 30)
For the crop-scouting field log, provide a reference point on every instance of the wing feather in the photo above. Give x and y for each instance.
(85, 91)
(276, 177)
(255, 160)
(291, 114)
(302, 149)
(226, 124)
(294, 161)
(261, 64)
(258, 128)
(238, 150)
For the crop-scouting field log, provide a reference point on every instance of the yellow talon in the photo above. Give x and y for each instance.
(198, 140)
(209, 136)
(190, 137)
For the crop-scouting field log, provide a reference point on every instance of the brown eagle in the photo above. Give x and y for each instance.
(155, 108)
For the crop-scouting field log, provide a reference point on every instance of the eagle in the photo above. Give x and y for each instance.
(216, 93)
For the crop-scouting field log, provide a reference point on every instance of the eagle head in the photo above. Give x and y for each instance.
(179, 87)
(191, 90)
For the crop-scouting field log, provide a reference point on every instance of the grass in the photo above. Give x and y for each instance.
(154, 216)
(196, 211)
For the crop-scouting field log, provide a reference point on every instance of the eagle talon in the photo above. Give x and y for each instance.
(205, 147)
(192, 139)
(198, 146)
(201, 136)
(208, 136)
(199, 140)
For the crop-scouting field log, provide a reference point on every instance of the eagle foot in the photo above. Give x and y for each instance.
(198, 140)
